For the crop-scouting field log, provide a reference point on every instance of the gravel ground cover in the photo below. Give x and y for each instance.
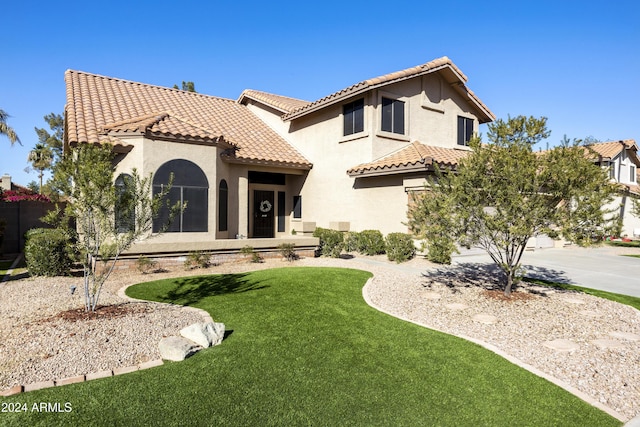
(46, 337)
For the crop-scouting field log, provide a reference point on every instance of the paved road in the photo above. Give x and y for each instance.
(598, 268)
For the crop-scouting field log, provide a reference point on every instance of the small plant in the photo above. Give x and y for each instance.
(144, 264)
(248, 251)
(370, 242)
(196, 259)
(351, 240)
(440, 250)
(399, 247)
(47, 252)
(294, 232)
(288, 251)
(331, 242)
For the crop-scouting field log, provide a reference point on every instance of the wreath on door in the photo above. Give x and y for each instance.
(265, 206)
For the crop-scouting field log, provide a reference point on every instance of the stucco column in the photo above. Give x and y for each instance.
(243, 206)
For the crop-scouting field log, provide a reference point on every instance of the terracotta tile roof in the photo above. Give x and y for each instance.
(448, 69)
(284, 104)
(100, 107)
(413, 157)
(611, 149)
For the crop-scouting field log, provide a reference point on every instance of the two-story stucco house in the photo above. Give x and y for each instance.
(269, 167)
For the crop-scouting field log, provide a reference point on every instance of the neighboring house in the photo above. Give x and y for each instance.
(622, 160)
(267, 166)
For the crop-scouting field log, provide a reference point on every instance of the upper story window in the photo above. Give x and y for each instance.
(392, 116)
(612, 170)
(632, 173)
(465, 130)
(353, 114)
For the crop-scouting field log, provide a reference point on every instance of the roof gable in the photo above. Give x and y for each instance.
(611, 149)
(284, 104)
(100, 107)
(451, 73)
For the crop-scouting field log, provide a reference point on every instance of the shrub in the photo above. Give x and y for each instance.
(370, 242)
(288, 251)
(399, 247)
(196, 259)
(47, 252)
(331, 241)
(144, 264)
(248, 251)
(440, 250)
(351, 241)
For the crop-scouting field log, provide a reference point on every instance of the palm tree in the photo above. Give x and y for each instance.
(7, 130)
(40, 158)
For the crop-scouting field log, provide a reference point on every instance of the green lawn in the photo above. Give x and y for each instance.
(623, 299)
(305, 349)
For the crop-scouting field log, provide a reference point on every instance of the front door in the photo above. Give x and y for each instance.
(263, 208)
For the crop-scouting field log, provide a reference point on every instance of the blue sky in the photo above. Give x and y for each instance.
(575, 62)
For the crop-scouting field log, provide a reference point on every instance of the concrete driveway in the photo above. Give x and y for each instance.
(601, 268)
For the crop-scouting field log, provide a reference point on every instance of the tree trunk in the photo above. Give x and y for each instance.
(507, 288)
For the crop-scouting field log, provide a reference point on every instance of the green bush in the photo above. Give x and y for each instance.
(144, 264)
(399, 247)
(47, 252)
(196, 259)
(331, 241)
(440, 250)
(351, 241)
(288, 251)
(248, 251)
(370, 242)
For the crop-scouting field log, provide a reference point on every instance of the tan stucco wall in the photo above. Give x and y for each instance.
(148, 155)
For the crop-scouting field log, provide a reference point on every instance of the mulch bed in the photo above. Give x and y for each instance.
(102, 312)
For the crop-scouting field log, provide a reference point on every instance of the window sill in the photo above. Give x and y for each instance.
(354, 136)
(390, 135)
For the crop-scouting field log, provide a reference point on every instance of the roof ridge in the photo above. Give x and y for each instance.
(149, 85)
(389, 78)
(272, 94)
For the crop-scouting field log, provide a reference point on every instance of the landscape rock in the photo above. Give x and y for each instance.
(177, 348)
(204, 334)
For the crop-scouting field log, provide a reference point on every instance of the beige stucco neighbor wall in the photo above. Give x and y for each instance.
(329, 195)
(623, 205)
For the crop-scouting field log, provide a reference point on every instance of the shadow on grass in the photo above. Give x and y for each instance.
(190, 290)
(485, 275)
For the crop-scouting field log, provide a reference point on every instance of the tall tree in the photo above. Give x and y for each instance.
(186, 86)
(40, 158)
(504, 193)
(7, 130)
(85, 175)
(52, 140)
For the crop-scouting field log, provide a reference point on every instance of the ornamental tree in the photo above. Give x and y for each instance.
(108, 218)
(503, 193)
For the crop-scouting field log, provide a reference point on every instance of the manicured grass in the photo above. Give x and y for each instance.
(623, 299)
(305, 349)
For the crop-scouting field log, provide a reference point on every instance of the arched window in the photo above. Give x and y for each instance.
(190, 186)
(223, 206)
(125, 210)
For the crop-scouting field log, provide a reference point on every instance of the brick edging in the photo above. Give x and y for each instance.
(23, 388)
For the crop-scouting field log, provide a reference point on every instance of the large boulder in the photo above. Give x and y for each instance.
(204, 334)
(177, 348)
